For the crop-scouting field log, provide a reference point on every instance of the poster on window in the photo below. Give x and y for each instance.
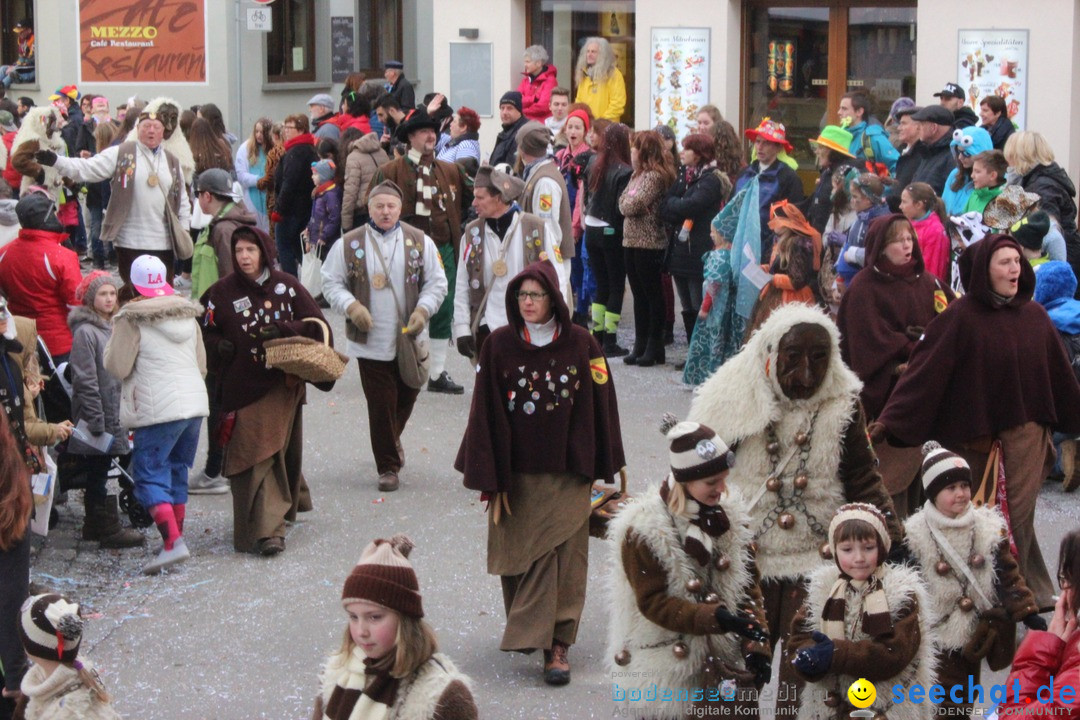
(134, 41)
(995, 62)
(780, 66)
(679, 77)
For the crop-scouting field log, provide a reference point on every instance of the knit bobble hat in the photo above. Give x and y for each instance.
(860, 511)
(50, 628)
(511, 97)
(696, 452)
(1031, 231)
(88, 287)
(325, 169)
(384, 576)
(941, 468)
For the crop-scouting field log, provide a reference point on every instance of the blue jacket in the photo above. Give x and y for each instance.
(970, 141)
(883, 150)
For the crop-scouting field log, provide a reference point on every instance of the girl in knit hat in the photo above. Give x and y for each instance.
(687, 616)
(862, 619)
(95, 402)
(971, 575)
(58, 685)
(389, 664)
(325, 224)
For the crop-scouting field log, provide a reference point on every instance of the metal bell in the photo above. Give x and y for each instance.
(622, 658)
(942, 568)
(966, 604)
(786, 521)
(801, 438)
(801, 481)
(680, 650)
(773, 484)
(825, 551)
(712, 598)
(977, 560)
(693, 585)
(723, 562)
(772, 448)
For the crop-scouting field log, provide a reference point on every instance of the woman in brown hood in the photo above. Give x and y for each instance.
(544, 424)
(992, 368)
(882, 315)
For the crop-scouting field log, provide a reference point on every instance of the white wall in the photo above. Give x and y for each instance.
(1053, 55)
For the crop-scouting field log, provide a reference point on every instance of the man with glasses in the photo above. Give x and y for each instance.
(292, 189)
(499, 244)
(911, 152)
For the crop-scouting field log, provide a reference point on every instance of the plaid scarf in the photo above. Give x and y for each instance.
(706, 523)
(364, 688)
(870, 593)
(425, 180)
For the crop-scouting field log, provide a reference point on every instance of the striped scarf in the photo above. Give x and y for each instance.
(876, 618)
(425, 181)
(706, 523)
(364, 688)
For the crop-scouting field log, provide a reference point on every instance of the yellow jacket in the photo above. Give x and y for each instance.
(607, 99)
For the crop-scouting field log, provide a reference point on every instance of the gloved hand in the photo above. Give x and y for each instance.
(851, 256)
(269, 332)
(761, 666)
(743, 625)
(914, 332)
(359, 316)
(45, 157)
(225, 350)
(467, 346)
(417, 321)
(815, 660)
(1035, 621)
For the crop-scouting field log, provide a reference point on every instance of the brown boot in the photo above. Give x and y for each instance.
(102, 524)
(388, 482)
(1070, 477)
(556, 664)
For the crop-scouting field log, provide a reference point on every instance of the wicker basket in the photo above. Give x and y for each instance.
(308, 359)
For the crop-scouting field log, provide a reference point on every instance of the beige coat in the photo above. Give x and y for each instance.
(365, 157)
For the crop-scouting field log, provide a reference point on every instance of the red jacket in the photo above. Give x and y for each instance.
(14, 179)
(344, 121)
(39, 278)
(536, 94)
(1041, 655)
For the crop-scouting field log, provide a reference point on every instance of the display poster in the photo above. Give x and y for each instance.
(679, 77)
(995, 62)
(135, 41)
(780, 66)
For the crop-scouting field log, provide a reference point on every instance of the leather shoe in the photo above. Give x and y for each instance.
(271, 546)
(388, 482)
(445, 384)
(556, 664)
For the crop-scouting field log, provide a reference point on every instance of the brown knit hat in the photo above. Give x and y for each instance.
(50, 628)
(941, 468)
(386, 187)
(384, 576)
(533, 139)
(696, 451)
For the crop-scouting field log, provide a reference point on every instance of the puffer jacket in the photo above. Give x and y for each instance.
(157, 351)
(365, 157)
(536, 93)
(39, 277)
(95, 394)
(1041, 656)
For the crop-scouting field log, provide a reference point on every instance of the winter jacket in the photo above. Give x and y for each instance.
(935, 246)
(640, 207)
(606, 99)
(878, 140)
(405, 94)
(970, 141)
(536, 93)
(776, 182)
(1041, 655)
(365, 157)
(213, 250)
(325, 223)
(603, 204)
(698, 201)
(1056, 196)
(1000, 131)
(62, 696)
(965, 117)
(95, 394)
(906, 165)
(344, 121)
(326, 128)
(936, 163)
(818, 208)
(292, 178)
(505, 150)
(856, 238)
(1055, 286)
(39, 277)
(157, 352)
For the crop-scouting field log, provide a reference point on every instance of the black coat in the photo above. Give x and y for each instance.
(906, 165)
(406, 96)
(292, 179)
(699, 201)
(604, 203)
(818, 207)
(936, 164)
(1000, 131)
(964, 117)
(1057, 196)
(506, 144)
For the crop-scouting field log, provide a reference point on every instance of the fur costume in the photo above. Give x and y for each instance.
(979, 530)
(650, 645)
(62, 696)
(176, 143)
(742, 398)
(901, 585)
(418, 695)
(40, 130)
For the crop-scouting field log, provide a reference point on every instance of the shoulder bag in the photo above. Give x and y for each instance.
(179, 237)
(413, 354)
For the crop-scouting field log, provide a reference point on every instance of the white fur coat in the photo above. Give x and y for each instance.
(34, 129)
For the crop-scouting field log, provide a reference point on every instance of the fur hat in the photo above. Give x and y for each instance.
(50, 628)
(87, 289)
(503, 183)
(1031, 231)
(383, 575)
(860, 511)
(941, 468)
(696, 452)
(533, 139)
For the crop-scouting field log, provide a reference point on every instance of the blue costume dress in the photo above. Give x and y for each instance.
(719, 336)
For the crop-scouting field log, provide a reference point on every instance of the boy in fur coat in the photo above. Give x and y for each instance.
(865, 619)
(970, 573)
(687, 619)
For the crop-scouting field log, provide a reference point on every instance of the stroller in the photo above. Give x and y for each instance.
(55, 402)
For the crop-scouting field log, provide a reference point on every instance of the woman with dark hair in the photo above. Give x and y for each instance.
(250, 165)
(208, 148)
(266, 182)
(16, 507)
(212, 114)
(606, 178)
(644, 242)
(995, 120)
(355, 112)
(690, 205)
(671, 146)
(729, 149)
(832, 155)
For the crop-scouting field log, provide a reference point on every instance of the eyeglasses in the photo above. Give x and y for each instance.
(289, 127)
(534, 296)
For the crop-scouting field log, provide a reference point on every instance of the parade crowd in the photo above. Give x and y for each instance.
(885, 373)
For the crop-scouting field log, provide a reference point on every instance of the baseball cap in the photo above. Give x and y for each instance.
(951, 90)
(322, 99)
(148, 276)
(7, 121)
(216, 181)
(935, 114)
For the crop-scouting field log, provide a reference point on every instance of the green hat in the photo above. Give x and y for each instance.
(835, 138)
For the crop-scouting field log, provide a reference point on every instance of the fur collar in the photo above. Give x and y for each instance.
(81, 314)
(151, 310)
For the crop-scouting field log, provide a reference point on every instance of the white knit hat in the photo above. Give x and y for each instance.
(696, 452)
(941, 468)
(860, 511)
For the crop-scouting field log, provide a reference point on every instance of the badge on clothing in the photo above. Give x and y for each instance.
(545, 202)
(599, 369)
(242, 304)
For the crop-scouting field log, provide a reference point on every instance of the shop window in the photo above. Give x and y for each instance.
(11, 12)
(561, 27)
(290, 46)
(380, 34)
(881, 55)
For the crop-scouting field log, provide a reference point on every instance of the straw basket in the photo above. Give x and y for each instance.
(308, 359)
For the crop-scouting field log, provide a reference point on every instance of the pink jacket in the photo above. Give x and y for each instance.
(935, 246)
(1041, 655)
(536, 94)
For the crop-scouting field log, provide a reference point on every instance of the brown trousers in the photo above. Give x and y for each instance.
(952, 670)
(1028, 456)
(389, 404)
(900, 468)
(126, 256)
(782, 599)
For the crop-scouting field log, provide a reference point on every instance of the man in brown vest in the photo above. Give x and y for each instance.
(546, 197)
(435, 195)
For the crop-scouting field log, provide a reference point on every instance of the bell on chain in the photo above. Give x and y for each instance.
(772, 448)
(967, 604)
(801, 481)
(977, 561)
(942, 568)
(622, 658)
(723, 562)
(680, 650)
(773, 484)
(801, 438)
(693, 585)
(786, 521)
(825, 551)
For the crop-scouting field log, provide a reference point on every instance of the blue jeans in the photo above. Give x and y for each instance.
(160, 460)
(22, 76)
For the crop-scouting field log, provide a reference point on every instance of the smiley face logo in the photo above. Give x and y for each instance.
(862, 693)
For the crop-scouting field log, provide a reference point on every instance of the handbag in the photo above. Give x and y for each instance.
(182, 246)
(44, 489)
(413, 353)
(311, 271)
(606, 501)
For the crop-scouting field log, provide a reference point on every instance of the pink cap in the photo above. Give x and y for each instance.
(149, 277)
